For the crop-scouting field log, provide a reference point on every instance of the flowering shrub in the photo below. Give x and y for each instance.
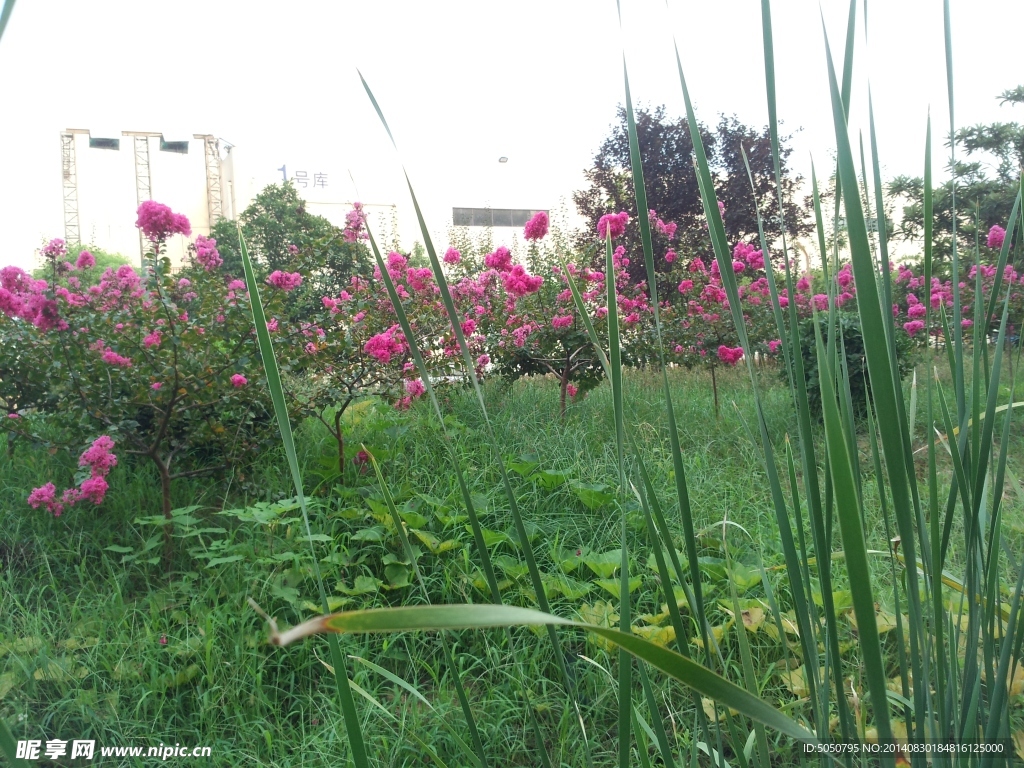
(97, 460)
(531, 323)
(154, 365)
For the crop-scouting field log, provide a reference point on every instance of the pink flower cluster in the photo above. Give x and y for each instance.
(452, 256)
(500, 260)
(730, 355)
(25, 298)
(996, 236)
(207, 254)
(158, 222)
(612, 225)
(666, 228)
(518, 283)
(286, 281)
(537, 226)
(100, 459)
(85, 260)
(55, 249)
(355, 224)
(385, 345)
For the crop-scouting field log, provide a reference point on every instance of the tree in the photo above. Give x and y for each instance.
(280, 234)
(978, 193)
(86, 277)
(666, 152)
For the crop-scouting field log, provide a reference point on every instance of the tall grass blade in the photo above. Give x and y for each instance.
(480, 756)
(437, 617)
(5, 15)
(881, 377)
(273, 374)
(453, 316)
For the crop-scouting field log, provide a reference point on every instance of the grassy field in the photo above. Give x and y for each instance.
(102, 639)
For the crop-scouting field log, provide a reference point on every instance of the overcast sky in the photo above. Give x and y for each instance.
(462, 83)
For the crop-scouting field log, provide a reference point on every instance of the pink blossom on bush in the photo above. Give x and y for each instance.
(730, 355)
(500, 260)
(571, 390)
(452, 256)
(207, 254)
(774, 345)
(385, 345)
(272, 324)
(156, 385)
(112, 358)
(85, 260)
(670, 256)
(483, 361)
(158, 222)
(563, 321)
(46, 495)
(518, 283)
(916, 310)
(355, 224)
(286, 281)
(238, 380)
(996, 236)
(55, 249)
(414, 387)
(612, 224)
(152, 340)
(913, 326)
(536, 227)
(236, 285)
(820, 301)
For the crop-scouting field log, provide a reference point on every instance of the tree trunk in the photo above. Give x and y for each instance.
(165, 493)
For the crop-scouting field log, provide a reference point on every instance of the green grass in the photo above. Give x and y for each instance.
(90, 663)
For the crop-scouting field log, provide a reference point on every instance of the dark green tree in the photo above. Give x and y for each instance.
(984, 188)
(281, 234)
(666, 152)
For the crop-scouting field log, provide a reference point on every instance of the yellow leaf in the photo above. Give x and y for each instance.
(796, 681)
(709, 709)
(717, 632)
(1018, 744)
(658, 635)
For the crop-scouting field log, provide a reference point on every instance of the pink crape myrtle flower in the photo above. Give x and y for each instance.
(913, 326)
(518, 283)
(563, 321)
(286, 281)
(571, 390)
(110, 357)
(414, 387)
(730, 355)
(85, 260)
(55, 249)
(500, 260)
(537, 226)
(207, 254)
(452, 256)
(996, 236)
(355, 224)
(100, 459)
(238, 381)
(152, 340)
(385, 345)
(158, 222)
(612, 224)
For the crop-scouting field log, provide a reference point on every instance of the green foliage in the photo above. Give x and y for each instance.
(283, 235)
(983, 198)
(848, 324)
(666, 150)
(86, 277)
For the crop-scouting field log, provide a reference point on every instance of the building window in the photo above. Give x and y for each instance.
(181, 147)
(104, 143)
(491, 217)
